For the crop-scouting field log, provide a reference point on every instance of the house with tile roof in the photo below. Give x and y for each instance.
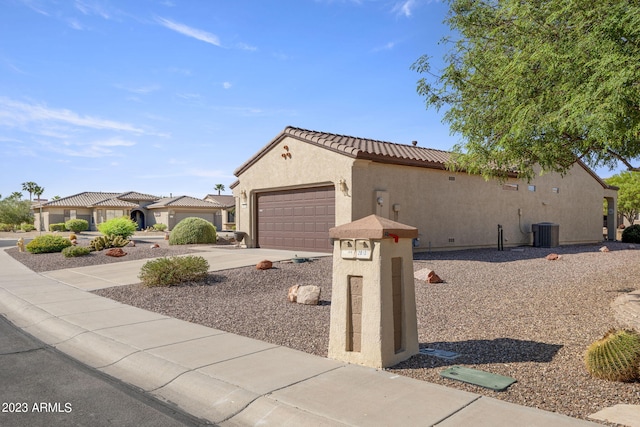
(145, 209)
(304, 182)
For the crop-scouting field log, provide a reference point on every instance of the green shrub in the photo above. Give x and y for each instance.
(615, 357)
(25, 226)
(47, 243)
(631, 234)
(74, 251)
(57, 227)
(123, 227)
(6, 227)
(159, 227)
(105, 242)
(77, 225)
(192, 231)
(173, 271)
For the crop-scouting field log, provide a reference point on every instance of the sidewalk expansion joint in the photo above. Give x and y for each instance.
(459, 409)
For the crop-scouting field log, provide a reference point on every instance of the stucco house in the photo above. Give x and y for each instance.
(304, 182)
(227, 212)
(145, 209)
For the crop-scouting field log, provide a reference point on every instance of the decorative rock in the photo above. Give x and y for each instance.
(604, 249)
(427, 275)
(434, 278)
(264, 265)
(293, 293)
(132, 244)
(309, 295)
(155, 245)
(553, 257)
(74, 242)
(115, 252)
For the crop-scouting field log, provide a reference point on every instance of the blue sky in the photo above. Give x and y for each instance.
(170, 97)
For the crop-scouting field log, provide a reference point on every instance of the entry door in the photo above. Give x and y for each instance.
(296, 219)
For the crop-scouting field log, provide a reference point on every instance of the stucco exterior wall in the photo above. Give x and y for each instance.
(457, 210)
(307, 166)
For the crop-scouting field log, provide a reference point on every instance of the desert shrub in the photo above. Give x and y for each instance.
(25, 226)
(6, 227)
(47, 243)
(159, 227)
(57, 227)
(123, 227)
(173, 271)
(105, 242)
(74, 251)
(615, 357)
(631, 234)
(77, 225)
(192, 231)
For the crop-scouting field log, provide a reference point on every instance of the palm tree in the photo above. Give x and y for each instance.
(38, 191)
(219, 187)
(16, 195)
(30, 187)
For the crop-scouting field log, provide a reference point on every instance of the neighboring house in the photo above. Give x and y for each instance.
(145, 209)
(304, 182)
(227, 213)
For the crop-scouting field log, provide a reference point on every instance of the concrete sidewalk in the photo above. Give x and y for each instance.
(232, 380)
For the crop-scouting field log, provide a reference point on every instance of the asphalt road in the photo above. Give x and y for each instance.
(40, 386)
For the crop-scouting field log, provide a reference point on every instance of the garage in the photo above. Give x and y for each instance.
(296, 219)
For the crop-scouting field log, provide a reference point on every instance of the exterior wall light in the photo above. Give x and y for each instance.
(380, 201)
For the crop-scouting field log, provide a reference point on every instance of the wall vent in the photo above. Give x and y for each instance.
(452, 178)
(452, 240)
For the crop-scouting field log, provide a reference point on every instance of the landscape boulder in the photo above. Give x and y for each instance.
(264, 265)
(427, 275)
(604, 249)
(309, 295)
(115, 252)
(292, 295)
(553, 257)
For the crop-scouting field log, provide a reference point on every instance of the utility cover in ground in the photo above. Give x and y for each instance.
(476, 377)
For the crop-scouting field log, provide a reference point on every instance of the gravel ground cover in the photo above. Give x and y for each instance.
(511, 313)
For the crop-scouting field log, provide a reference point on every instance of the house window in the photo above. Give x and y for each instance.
(231, 216)
(114, 213)
(510, 187)
(532, 188)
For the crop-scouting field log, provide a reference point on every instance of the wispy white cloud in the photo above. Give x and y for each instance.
(404, 8)
(185, 95)
(386, 46)
(92, 8)
(93, 149)
(75, 24)
(226, 85)
(16, 112)
(190, 31)
(36, 6)
(139, 90)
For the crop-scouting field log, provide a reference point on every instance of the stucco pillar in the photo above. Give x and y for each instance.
(373, 308)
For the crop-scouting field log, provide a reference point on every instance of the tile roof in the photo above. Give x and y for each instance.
(360, 148)
(371, 149)
(182, 202)
(134, 195)
(222, 201)
(98, 198)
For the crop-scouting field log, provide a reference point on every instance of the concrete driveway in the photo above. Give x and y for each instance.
(126, 272)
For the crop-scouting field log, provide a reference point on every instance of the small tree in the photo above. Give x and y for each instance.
(15, 211)
(628, 193)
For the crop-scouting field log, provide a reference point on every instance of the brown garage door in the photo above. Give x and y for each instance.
(296, 219)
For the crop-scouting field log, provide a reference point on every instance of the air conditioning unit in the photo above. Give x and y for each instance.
(546, 235)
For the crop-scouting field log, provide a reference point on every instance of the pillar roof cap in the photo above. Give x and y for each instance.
(373, 227)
